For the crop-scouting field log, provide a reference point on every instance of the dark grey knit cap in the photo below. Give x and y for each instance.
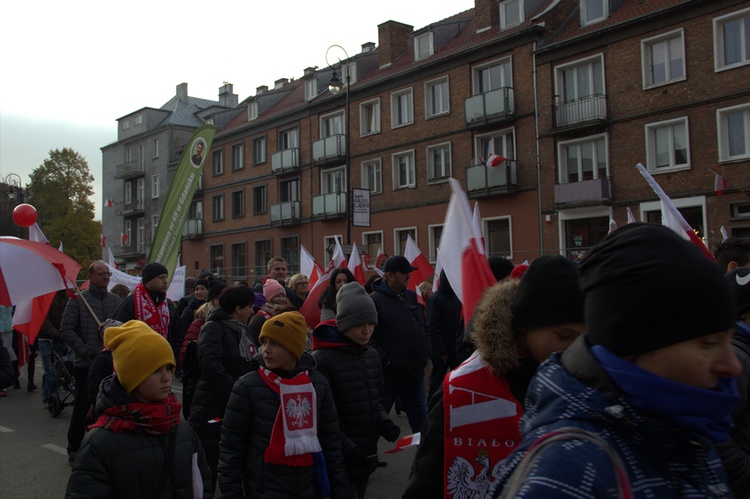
(354, 307)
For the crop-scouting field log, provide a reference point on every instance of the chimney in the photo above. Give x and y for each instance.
(182, 92)
(227, 97)
(368, 47)
(392, 40)
(261, 89)
(280, 83)
(486, 13)
(309, 71)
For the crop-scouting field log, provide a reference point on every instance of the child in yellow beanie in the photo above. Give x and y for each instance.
(280, 434)
(137, 446)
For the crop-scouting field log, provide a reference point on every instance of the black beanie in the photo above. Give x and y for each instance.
(548, 294)
(501, 267)
(152, 271)
(214, 288)
(201, 282)
(739, 282)
(646, 288)
(354, 307)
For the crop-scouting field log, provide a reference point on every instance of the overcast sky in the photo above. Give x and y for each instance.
(70, 69)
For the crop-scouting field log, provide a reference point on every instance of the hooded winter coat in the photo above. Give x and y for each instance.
(498, 347)
(246, 433)
(127, 464)
(661, 459)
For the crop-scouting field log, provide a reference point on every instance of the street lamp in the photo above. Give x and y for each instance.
(334, 86)
(13, 181)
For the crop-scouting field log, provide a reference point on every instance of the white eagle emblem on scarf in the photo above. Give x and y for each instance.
(298, 410)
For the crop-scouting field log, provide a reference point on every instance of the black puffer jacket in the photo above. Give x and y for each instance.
(355, 375)
(401, 335)
(444, 322)
(129, 465)
(79, 328)
(246, 433)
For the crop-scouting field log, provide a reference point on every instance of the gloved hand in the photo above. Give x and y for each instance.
(356, 457)
(389, 430)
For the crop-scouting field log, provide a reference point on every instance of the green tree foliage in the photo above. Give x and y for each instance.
(60, 189)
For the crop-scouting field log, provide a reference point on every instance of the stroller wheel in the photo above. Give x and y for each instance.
(55, 405)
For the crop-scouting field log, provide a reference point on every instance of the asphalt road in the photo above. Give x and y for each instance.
(34, 464)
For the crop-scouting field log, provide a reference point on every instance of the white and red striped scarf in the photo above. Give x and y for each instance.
(295, 431)
(146, 310)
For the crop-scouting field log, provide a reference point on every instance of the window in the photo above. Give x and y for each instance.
(436, 234)
(667, 145)
(437, 100)
(369, 115)
(693, 209)
(583, 160)
(311, 88)
(252, 111)
(238, 156)
(501, 143)
(239, 259)
(333, 181)
(141, 156)
(663, 59)
(140, 192)
(154, 225)
(511, 13)
(155, 186)
(492, 76)
(439, 162)
(402, 112)
(741, 210)
(403, 170)
(372, 176)
(401, 236)
(217, 205)
(155, 143)
(260, 202)
(290, 253)
(372, 241)
(732, 40)
(238, 204)
(583, 233)
(288, 139)
(593, 11)
(289, 191)
(128, 194)
(580, 80)
(351, 70)
(733, 126)
(140, 227)
(216, 255)
(498, 238)
(332, 124)
(196, 210)
(126, 124)
(217, 162)
(139, 120)
(262, 255)
(259, 150)
(423, 46)
(128, 232)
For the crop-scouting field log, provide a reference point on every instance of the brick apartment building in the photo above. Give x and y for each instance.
(573, 93)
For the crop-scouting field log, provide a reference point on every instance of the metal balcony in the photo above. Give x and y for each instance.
(331, 148)
(482, 180)
(193, 229)
(490, 107)
(285, 161)
(285, 213)
(594, 191)
(585, 109)
(329, 205)
(130, 169)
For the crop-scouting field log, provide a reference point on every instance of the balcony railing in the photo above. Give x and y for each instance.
(133, 208)
(591, 108)
(285, 160)
(492, 180)
(598, 189)
(285, 212)
(129, 169)
(193, 228)
(329, 205)
(330, 148)
(489, 106)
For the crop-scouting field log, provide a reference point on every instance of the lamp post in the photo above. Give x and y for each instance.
(13, 189)
(334, 86)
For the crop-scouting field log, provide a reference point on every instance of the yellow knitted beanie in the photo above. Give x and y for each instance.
(137, 351)
(289, 330)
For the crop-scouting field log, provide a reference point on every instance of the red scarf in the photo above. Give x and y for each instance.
(295, 431)
(481, 427)
(140, 417)
(146, 310)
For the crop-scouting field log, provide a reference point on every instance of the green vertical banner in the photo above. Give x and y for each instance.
(166, 242)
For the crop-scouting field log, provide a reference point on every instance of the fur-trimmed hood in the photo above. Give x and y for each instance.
(493, 335)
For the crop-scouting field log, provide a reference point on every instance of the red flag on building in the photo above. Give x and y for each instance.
(719, 183)
(494, 160)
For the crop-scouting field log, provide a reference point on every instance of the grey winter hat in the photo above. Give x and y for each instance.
(354, 307)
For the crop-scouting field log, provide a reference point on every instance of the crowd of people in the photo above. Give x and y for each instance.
(624, 375)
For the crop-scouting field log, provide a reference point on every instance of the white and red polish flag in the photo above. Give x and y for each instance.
(724, 234)
(310, 309)
(720, 183)
(355, 265)
(404, 443)
(109, 203)
(36, 234)
(379, 258)
(309, 267)
(612, 226)
(631, 218)
(494, 160)
(461, 253)
(670, 215)
(418, 260)
(103, 240)
(438, 268)
(123, 240)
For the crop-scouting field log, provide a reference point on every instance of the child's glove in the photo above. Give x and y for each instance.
(389, 430)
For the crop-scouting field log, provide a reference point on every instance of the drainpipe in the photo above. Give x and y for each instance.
(538, 154)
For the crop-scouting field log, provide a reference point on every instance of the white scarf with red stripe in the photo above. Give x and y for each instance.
(297, 416)
(146, 310)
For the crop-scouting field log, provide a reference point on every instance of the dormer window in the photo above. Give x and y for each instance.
(594, 11)
(252, 111)
(511, 13)
(311, 89)
(423, 46)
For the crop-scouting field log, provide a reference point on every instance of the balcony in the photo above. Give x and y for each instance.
(485, 181)
(132, 209)
(584, 110)
(594, 191)
(329, 205)
(330, 149)
(193, 229)
(130, 169)
(490, 107)
(285, 213)
(285, 161)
